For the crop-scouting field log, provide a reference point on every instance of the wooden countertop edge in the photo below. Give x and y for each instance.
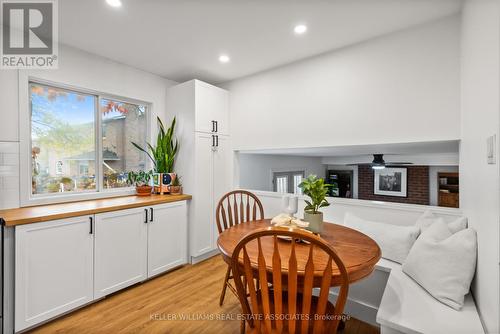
(37, 214)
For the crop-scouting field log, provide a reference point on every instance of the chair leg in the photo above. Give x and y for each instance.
(224, 286)
(242, 326)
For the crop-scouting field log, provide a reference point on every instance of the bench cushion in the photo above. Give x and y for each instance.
(395, 241)
(408, 308)
(428, 218)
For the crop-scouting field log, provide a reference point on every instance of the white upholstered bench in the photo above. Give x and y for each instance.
(407, 308)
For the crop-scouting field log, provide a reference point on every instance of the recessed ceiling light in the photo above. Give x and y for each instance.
(224, 58)
(300, 29)
(114, 3)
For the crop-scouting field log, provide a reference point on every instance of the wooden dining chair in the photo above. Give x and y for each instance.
(236, 207)
(288, 306)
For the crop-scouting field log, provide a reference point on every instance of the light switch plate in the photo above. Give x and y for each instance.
(491, 149)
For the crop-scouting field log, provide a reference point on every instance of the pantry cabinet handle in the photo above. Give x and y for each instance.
(213, 141)
(216, 141)
(216, 126)
(151, 211)
(213, 126)
(146, 219)
(91, 225)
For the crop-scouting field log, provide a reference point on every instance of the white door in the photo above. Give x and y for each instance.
(167, 237)
(202, 203)
(53, 269)
(223, 174)
(120, 250)
(211, 105)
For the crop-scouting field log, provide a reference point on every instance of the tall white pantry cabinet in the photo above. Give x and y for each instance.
(205, 157)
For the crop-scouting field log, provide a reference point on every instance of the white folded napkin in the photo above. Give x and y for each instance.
(284, 219)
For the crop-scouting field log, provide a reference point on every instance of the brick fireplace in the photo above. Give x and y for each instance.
(418, 186)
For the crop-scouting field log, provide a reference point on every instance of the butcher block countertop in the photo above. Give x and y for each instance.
(41, 213)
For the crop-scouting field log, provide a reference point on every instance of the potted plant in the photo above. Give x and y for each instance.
(317, 190)
(175, 188)
(141, 181)
(163, 156)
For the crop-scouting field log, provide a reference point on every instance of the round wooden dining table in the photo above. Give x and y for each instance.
(358, 252)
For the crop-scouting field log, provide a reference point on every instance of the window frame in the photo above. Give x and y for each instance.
(290, 179)
(27, 198)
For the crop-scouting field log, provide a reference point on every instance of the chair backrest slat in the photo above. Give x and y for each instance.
(292, 290)
(232, 207)
(251, 289)
(303, 312)
(248, 208)
(224, 219)
(235, 210)
(277, 284)
(264, 287)
(254, 211)
(307, 289)
(242, 211)
(230, 213)
(323, 298)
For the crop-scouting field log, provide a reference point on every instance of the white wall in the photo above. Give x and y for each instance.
(79, 69)
(433, 181)
(255, 170)
(387, 212)
(9, 111)
(402, 87)
(479, 182)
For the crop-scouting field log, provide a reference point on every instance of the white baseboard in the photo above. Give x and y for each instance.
(359, 310)
(203, 257)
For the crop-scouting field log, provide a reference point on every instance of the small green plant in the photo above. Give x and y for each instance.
(177, 181)
(140, 178)
(316, 189)
(163, 155)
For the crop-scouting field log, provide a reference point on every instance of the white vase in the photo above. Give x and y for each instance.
(315, 221)
(289, 205)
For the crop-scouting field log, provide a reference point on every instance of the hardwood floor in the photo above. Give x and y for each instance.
(157, 306)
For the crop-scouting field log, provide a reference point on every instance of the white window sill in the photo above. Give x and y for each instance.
(73, 197)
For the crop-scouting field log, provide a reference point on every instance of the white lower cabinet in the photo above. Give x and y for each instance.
(120, 257)
(167, 237)
(53, 269)
(63, 264)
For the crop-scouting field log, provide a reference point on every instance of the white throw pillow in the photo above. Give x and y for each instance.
(428, 218)
(395, 241)
(444, 263)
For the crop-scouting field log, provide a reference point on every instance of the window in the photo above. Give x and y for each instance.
(67, 150)
(297, 179)
(84, 169)
(122, 123)
(288, 182)
(281, 183)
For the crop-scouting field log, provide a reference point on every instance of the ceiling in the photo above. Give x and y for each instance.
(416, 148)
(182, 39)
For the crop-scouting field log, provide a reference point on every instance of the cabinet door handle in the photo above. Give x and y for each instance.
(216, 126)
(213, 126)
(91, 225)
(151, 211)
(216, 141)
(146, 219)
(213, 141)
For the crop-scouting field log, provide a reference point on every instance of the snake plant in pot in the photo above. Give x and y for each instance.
(316, 189)
(163, 156)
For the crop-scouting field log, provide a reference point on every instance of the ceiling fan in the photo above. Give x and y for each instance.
(379, 162)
